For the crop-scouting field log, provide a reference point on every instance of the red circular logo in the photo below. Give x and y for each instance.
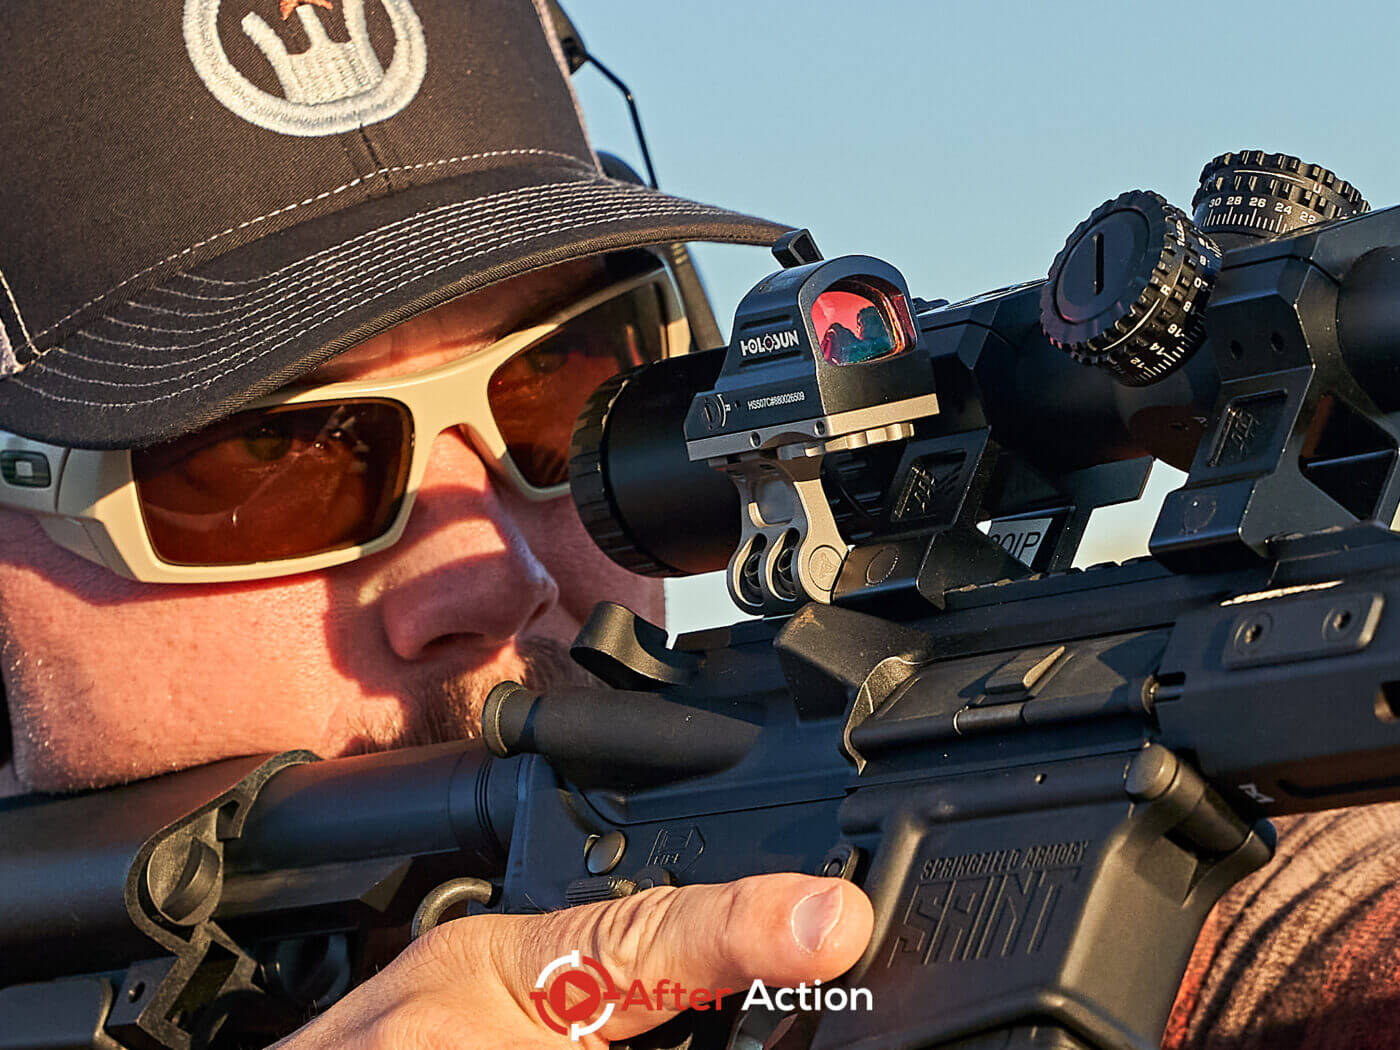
(574, 995)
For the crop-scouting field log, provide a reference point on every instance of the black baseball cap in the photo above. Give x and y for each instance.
(201, 200)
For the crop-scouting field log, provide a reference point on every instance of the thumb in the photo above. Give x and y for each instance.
(705, 940)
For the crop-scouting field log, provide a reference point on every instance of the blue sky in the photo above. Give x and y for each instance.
(963, 142)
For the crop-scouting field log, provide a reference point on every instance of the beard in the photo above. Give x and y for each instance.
(447, 708)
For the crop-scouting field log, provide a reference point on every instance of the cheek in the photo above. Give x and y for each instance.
(585, 574)
(108, 679)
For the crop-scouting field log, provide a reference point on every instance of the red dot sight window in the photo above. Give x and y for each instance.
(856, 321)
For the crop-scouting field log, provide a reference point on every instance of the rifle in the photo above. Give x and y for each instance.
(1043, 777)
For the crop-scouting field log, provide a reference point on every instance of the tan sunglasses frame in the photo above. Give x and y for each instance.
(91, 508)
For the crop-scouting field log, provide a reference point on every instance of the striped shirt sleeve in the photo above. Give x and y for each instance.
(1305, 954)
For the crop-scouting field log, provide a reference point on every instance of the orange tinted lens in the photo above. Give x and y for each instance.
(276, 483)
(537, 395)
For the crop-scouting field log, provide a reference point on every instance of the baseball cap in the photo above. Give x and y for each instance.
(200, 201)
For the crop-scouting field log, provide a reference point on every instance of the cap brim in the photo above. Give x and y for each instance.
(199, 344)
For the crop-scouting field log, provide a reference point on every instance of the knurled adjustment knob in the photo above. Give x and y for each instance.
(1127, 290)
(1250, 196)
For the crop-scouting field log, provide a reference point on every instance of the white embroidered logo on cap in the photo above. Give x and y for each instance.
(327, 89)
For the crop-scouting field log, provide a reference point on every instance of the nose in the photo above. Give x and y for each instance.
(462, 568)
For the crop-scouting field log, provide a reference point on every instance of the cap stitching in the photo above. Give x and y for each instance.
(271, 296)
(300, 204)
(261, 353)
(257, 299)
(387, 236)
(229, 347)
(336, 249)
(23, 329)
(411, 267)
(18, 379)
(311, 284)
(264, 299)
(515, 195)
(9, 364)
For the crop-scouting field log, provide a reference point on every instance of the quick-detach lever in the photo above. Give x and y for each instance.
(629, 652)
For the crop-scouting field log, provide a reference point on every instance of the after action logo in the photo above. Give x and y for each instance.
(584, 980)
(575, 996)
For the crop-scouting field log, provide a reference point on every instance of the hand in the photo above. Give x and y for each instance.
(467, 983)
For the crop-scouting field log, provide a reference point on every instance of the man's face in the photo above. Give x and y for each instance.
(108, 679)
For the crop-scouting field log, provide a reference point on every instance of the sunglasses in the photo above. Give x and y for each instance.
(308, 478)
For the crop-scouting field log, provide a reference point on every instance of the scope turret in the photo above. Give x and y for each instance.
(1127, 291)
(1251, 196)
